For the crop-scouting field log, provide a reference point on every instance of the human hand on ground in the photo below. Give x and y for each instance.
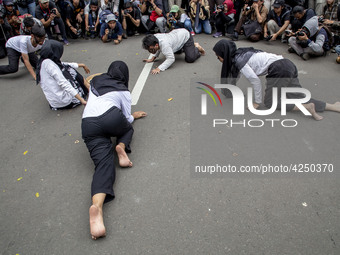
(139, 114)
(156, 71)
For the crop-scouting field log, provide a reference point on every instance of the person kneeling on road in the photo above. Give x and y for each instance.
(176, 41)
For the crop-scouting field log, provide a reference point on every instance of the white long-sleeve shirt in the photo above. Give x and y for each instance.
(58, 91)
(96, 106)
(257, 66)
(170, 43)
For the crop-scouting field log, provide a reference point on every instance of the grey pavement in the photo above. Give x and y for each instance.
(160, 206)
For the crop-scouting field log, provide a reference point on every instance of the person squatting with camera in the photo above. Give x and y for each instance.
(75, 19)
(153, 15)
(131, 17)
(177, 18)
(91, 13)
(277, 22)
(50, 17)
(311, 40)
(200, 15)
(224, 18)
(252, 21)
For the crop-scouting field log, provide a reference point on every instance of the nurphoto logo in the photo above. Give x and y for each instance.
(239, 106)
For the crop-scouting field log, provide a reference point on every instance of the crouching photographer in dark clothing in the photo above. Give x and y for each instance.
(131, 17)
(310, 40)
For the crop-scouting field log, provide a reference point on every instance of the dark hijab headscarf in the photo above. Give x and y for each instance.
(233, 61)
(52, 50)
(116, 79)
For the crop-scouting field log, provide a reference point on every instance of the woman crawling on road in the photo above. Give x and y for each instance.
(279, 72)
(107, 114)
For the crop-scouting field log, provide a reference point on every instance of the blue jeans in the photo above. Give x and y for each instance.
(29, 9)
(206, 27)
(188, 25)
(337, 49)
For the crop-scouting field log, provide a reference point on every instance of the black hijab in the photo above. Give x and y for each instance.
(233, 59)
(116, 79)
(52, 50)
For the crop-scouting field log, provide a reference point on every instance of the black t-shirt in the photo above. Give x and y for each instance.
(280, 20)
(135, 13)
(72, 12)
(44, 14)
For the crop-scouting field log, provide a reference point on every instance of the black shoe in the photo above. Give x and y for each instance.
(233, 37)
(291, 50)
(124, 36)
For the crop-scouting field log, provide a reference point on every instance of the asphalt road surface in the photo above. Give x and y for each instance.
(162, 205)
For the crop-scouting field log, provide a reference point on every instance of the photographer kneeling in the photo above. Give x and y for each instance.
(130, 19)
(310, 40)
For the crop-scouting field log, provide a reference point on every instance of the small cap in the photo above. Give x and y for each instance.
(43, 1)
(110, 17)
(278, 3)
(174, 8)
(8, 2)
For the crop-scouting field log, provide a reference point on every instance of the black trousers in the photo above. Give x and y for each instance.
(191, 52)
(283, 73)
(97, 133)
(13, 61)
(61, 25)
(223, 25)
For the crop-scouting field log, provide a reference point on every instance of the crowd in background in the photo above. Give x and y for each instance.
(311, 27)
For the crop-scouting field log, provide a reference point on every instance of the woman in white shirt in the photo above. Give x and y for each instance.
(279, 72)
(107, 114)
(63, 86)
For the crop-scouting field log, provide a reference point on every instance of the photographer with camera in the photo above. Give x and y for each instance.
(301, 15)
(5, 28)
(111, 29)
(224, 17)
(177, 18)
(130, 19)
(75, 19)
(277, 22)
(91, 13)
(24, 46)
(12, 16)
(310, 40)
(252, 21)
(153, 14)
(49, 16)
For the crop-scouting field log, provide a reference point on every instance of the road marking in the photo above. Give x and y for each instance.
(138, 88)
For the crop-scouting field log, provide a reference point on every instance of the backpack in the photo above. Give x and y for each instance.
(103, 15)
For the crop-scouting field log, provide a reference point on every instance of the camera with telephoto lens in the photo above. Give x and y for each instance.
(220, 7)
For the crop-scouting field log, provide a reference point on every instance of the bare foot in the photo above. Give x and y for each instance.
(97, 227)
(311, 108)
(124, 160)
(200, 49)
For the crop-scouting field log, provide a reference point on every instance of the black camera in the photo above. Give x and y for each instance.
(54, 11)
(171, 16)
(126, 11)
(321, 20)
(301, 33)
(220, 7)
(91, 28)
